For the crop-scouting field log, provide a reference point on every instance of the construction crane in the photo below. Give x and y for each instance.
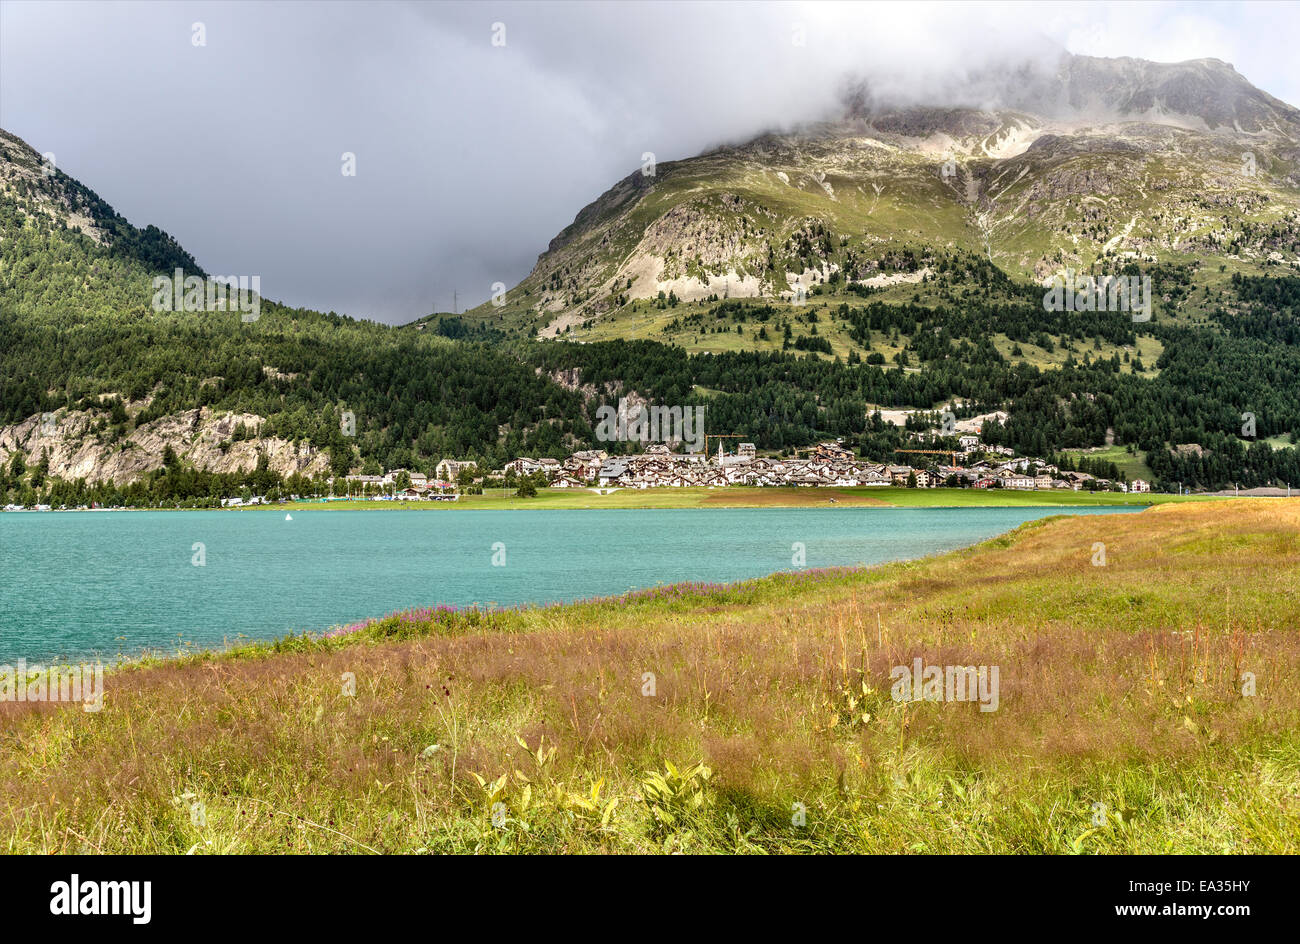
(951, 454)
(709, 436)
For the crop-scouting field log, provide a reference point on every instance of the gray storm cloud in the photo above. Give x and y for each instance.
(471, 156)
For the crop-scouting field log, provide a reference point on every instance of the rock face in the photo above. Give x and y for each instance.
(571, 379)
(77, 451)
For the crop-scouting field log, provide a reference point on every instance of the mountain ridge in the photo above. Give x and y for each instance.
(795, 284)
(952, 177)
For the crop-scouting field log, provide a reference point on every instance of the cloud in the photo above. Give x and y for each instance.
(472, 156)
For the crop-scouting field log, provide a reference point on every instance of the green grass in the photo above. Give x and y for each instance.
(739, 496)
(1122, 726)
(641, 320)
(1131, 464)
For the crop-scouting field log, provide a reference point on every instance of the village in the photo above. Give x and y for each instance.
(826, 465)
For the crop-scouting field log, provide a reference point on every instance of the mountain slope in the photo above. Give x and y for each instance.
(909, 243)
(1103, 163)
(917, 234)
(35, 190)
(99, 385)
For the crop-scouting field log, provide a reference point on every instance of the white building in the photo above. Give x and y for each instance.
(448, 469)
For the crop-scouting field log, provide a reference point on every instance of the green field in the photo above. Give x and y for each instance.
(750, 497)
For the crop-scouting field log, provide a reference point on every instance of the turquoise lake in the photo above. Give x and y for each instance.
(81, 584)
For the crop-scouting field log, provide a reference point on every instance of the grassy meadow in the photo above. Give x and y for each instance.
(739, 496)
(1134, 465)
(768, 726)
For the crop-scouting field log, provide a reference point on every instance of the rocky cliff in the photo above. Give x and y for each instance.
(77, 447)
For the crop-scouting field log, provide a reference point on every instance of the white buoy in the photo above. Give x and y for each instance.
(288, 517)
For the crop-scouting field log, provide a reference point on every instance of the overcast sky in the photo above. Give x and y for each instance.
(471, 156)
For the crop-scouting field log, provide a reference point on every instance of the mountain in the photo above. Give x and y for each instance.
(1206, 94)
(98, 386)
(910, 243)
(1088, 165)
(36, 189)
(1208, 91)
(800, 285)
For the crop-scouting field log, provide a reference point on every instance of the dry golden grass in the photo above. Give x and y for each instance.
(1121, 686)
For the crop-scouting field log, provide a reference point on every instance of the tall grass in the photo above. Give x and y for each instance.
(768, 725)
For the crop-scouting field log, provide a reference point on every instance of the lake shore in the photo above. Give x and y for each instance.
(91, 585)
(735, 496)
(1143, 708)
(740, 496)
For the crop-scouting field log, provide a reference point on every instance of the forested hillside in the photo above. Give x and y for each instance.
(1208, 376)
(82, 347)
(78, 334)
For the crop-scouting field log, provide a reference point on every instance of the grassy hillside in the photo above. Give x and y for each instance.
(1129, 463)
(78, 333)
(879, 207)
(921, 295)
(1121, 725)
